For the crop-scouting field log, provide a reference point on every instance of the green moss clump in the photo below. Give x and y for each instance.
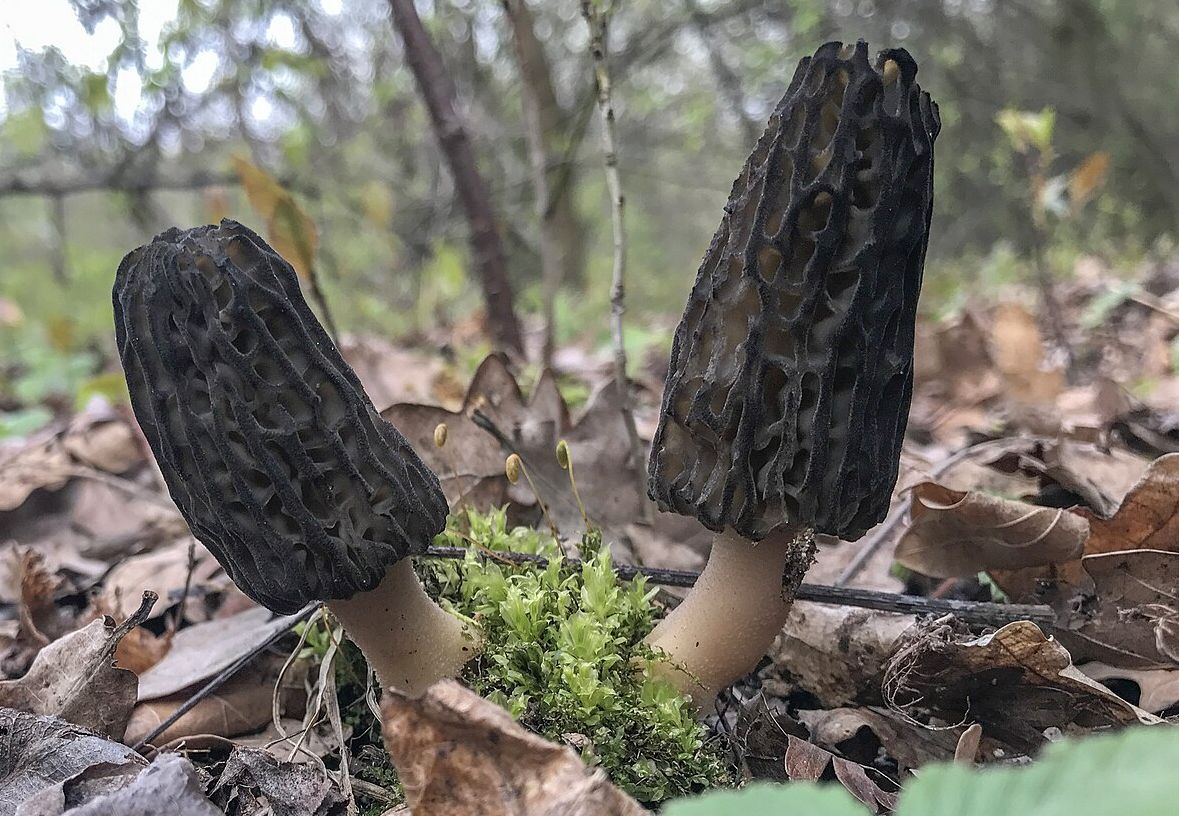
(564, 653)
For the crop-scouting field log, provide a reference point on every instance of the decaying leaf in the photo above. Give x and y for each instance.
(198, 652)
(169, 785)
(165, 571)
(43, 752)
(496, 421)
(807, 762)
(240, 706)
(74, 678)
(1019, 355)
(254, 783)
(457, 753)
(1157, 689)
(1016, 682)
(959, 534)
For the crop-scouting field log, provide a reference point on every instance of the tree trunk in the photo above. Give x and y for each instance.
(438, 92)
(560, 217)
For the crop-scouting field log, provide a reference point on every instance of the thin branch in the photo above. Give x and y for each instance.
(598, 21)
(43, 187)
(224, 676)
(989, 614)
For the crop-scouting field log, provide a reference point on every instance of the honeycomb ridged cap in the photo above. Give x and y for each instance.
(266, 439)
(791, 370)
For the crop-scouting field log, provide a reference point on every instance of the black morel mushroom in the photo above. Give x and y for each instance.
(274, 453)
(791, 371)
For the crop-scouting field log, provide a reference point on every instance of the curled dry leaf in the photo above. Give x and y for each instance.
(254, 782)
(1157, 689)
(1117, 600)
(496, 421)
(1015, 682)
(959, 534)
(806, 762)
(457, 753)
(75, 678)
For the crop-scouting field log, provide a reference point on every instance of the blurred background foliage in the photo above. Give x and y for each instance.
(119, 119)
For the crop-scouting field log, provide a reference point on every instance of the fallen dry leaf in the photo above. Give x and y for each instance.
(1018, 351)
(1157, 689)
(1016, 683)
(496, 421)
(254, 782)
(164, 571)
(169, 785)
(391, 375)
(457, 753)
(198, 652)
(1148, 518)
(75, 678)
(806, 762)
(1132, 622)
(909, 745)
(240, 706)
(43, 752)
(954, 534)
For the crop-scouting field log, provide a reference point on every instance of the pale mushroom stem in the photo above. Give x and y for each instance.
(407, 638)
(731, 616)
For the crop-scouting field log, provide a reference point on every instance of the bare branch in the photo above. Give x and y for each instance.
(598, 21)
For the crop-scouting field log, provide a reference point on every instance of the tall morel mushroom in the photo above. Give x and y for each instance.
(791, 370)
(274, 453)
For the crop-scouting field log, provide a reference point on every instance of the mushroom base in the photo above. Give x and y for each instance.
(408, 639)
(731, 616)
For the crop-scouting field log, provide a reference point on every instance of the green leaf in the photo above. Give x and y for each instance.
(801, 798)
(1128, 774)
(1131, 773)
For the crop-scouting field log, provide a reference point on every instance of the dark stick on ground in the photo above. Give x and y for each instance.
(989, 614)
(222, 677)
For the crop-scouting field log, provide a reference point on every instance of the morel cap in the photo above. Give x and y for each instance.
(267, 441)
(792, 368)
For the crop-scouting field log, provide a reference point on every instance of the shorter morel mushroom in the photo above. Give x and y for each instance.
(274, 453)
(791, 371)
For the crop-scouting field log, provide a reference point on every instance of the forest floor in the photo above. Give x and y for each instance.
(1038, 471)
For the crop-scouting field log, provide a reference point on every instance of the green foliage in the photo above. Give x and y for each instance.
(1131, 774)
(564, 654)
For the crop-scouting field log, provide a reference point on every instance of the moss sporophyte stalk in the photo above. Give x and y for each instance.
(563, 651)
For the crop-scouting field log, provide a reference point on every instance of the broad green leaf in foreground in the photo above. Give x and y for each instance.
(1130, 774)
(797, 798)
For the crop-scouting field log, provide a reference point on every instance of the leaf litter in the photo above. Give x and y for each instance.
(1017, 487)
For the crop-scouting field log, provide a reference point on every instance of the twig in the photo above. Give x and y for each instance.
(113, 182)
(991, 614)
(598, 21)
(223, 676)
